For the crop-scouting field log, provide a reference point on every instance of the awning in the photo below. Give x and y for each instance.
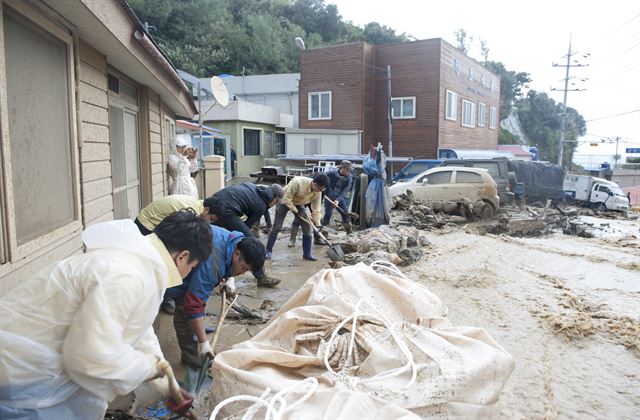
(206, 130)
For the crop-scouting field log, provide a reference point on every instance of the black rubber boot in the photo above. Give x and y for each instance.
(292, 238)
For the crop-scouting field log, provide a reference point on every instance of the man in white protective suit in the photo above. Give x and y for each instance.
(179, 168)
(78, 334)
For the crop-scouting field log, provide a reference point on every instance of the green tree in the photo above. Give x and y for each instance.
(511, 86)
(463, 40)
(540, 117)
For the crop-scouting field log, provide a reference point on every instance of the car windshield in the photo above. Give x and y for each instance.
(415, 168)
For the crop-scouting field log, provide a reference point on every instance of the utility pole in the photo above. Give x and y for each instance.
(616, 156)
(389, 116)
(566, 89)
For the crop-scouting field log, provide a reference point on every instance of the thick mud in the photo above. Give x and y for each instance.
(567, 308)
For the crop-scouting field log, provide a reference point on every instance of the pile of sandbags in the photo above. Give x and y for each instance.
(357, 341)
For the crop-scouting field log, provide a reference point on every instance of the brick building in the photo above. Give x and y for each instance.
(440, 97)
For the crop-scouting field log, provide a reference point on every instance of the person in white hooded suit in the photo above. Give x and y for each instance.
(78, 334)
(179, 168)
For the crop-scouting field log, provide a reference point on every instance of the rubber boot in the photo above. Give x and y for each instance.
(306, 248)
(316, 237)
(292, 238)
(265, 281)
(347, 227)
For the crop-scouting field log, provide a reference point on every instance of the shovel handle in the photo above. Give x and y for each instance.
(224, 310)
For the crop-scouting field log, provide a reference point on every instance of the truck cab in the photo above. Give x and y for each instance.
(608, 195)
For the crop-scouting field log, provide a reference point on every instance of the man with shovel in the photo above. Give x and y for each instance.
(233, 254)
(77, 335)
(299, 192)
(340, 180)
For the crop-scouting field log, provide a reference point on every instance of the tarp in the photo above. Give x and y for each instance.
(542, 180)
(404, 360)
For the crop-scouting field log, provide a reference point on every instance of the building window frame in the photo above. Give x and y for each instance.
(402, 100)
(482, 114)
(320, 95)
(492, 117)
(260, 138)
(468, 114)
(12, 251)
(451, 105)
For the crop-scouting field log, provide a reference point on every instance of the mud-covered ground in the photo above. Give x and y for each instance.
(567, 308)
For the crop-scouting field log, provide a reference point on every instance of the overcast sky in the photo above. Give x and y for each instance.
(530, 37)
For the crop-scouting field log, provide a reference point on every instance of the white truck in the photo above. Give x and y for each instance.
(595, 192)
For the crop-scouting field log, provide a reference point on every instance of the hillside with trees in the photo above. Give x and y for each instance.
(207, 37)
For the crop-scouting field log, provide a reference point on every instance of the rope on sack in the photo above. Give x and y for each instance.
(398, 340)
(273, 412)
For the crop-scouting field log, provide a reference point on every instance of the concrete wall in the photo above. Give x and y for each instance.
(245, 165)
(330, 144)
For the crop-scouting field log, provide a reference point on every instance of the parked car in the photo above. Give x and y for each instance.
(497, 168)
(452, 183)
(414, 168)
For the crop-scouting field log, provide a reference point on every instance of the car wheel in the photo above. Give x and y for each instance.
(599, 207)
(487, 211)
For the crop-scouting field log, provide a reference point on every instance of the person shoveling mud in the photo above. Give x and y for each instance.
(75, 337)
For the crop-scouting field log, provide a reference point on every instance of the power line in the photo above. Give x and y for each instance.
(613, 116)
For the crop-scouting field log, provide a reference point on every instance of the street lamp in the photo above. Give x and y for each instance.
(300, 44)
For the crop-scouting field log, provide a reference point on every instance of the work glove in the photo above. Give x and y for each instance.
(229, 287)
(204, 349)
(181, 408)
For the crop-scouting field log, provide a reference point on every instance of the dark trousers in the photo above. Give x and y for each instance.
(328, 212)
(187, 339)
(281, 214)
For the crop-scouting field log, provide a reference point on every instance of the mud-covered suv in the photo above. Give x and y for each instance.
(498, 170)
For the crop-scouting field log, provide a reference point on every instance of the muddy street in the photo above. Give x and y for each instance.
(567, 309)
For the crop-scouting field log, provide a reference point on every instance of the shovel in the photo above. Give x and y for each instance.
(335, 253)
(201, 374)
(354, 216)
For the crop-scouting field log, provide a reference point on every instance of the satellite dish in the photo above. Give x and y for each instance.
(299, 43)
(219, 91)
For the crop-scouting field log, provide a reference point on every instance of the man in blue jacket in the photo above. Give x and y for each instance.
(340, 181)
(233, 254)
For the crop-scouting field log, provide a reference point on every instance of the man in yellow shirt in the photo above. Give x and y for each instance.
(155, 212)
(299, 192)
(158, 210)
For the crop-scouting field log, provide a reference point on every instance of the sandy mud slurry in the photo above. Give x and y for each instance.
(567, 308)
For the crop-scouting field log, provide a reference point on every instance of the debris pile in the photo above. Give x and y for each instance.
(400, 245)
(407, 211)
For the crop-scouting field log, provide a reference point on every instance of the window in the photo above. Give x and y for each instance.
(268, 144)
(403, 107)
(39, 139)
(451, 111)
(482, 110)
(279, 144)
(468, 113)
(320, 106)
(251, 142)
(463, 177)
(492, 118)
(439, 177)
(491, 167)
(311, 146)
(125, 149)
